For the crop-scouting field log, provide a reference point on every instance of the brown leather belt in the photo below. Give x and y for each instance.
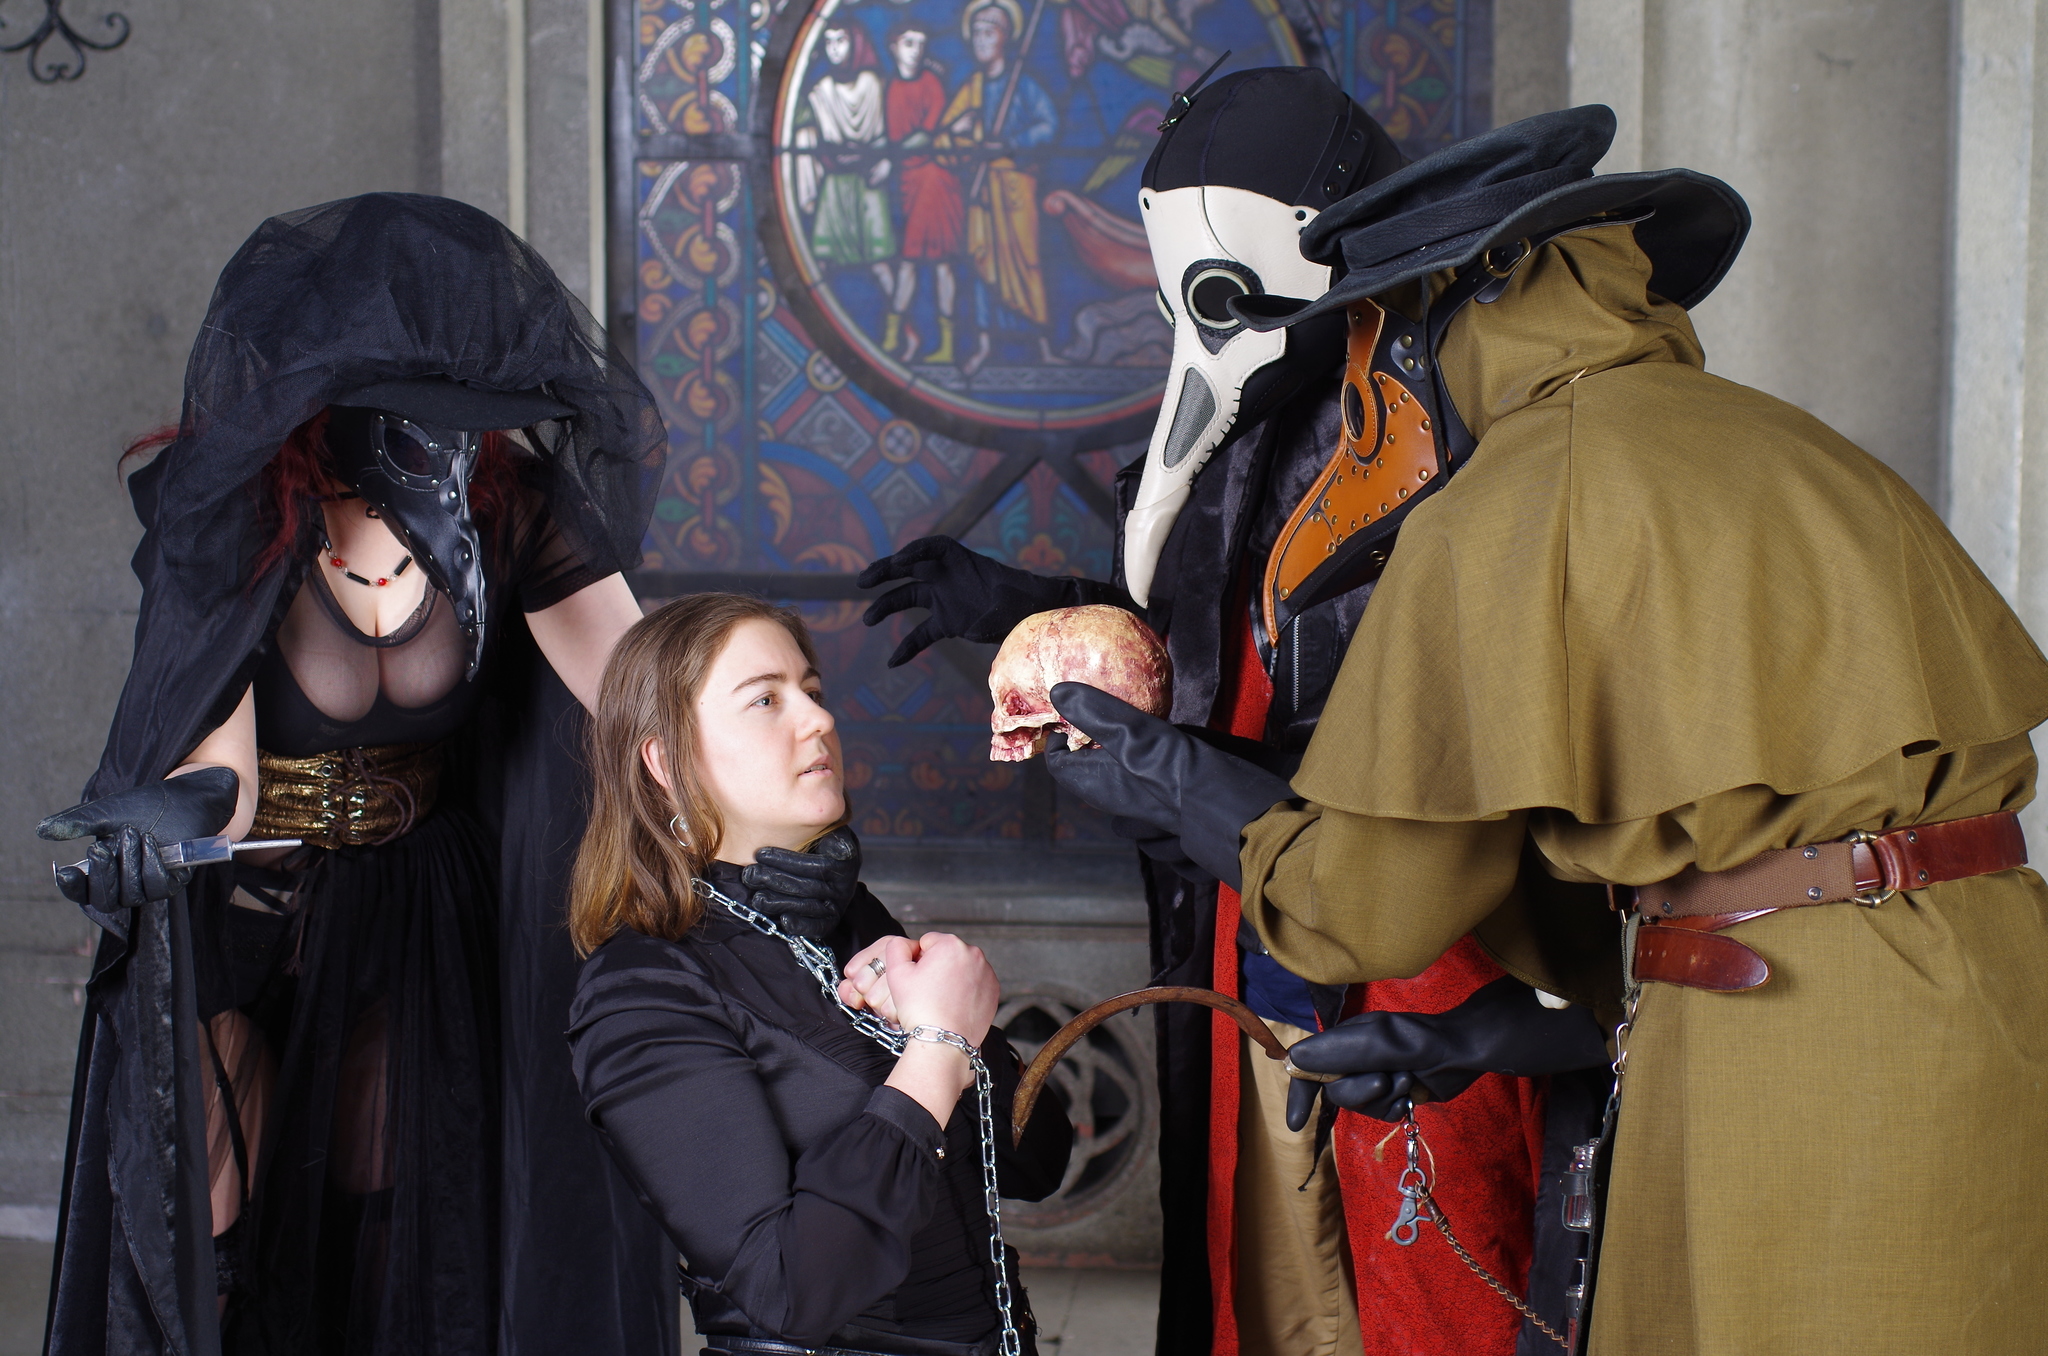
(1677, 943)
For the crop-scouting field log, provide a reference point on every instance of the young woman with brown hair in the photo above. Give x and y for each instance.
(797, 1134)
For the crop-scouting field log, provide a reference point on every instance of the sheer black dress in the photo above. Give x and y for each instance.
(812, 1205)
(372, 1223)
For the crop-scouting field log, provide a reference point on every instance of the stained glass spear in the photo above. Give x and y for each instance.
(995, 128)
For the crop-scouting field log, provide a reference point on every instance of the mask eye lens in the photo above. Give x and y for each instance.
(1209, 297)
(412, 453)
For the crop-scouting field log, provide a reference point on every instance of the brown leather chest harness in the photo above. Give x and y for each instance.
(1387, 455)
(1679, 941)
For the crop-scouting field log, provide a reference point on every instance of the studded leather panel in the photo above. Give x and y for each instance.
(1385, 454)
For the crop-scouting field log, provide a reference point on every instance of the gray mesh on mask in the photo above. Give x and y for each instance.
(1191, 415)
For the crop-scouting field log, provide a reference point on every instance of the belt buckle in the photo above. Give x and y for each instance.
(1871, 898)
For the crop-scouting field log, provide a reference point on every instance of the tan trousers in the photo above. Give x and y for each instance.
(1295, 1294)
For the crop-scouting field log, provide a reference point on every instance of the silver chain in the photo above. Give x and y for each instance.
(824, 968)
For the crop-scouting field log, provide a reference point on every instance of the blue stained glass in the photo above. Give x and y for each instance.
(810, 433)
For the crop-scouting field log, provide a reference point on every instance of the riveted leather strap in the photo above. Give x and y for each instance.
(1682, 915)
(1832, 873)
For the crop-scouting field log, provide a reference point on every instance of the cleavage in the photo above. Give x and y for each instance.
(373, 551)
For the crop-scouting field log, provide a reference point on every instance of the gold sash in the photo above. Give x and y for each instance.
(347, 798)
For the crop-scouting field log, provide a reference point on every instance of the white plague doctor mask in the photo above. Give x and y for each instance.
(1242, 167)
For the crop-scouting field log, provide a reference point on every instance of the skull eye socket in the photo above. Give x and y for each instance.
(1209, 294)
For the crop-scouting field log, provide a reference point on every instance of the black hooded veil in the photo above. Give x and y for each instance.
(317, 303)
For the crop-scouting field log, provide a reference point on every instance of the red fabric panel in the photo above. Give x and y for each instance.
(1242, 699)
(1223, 1099)
(1488, 1141)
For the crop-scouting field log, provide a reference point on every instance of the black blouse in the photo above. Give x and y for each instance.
(810, 1203)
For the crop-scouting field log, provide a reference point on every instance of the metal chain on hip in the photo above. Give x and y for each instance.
(824, 968)
(1418, 1203)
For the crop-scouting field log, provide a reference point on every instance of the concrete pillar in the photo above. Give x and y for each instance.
(1833, 121)
(483, 106)
(1997, 409)
(1997, 416)
(1531, 58)
(519, 130)
(564, 139)
(1608, 59)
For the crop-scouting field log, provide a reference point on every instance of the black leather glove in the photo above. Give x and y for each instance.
(1161, 848)
(1154, 774)
(807, 893)
(1393, 1056)
(132, 828)
(969, 595)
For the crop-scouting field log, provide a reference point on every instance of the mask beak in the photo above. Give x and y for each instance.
(1198, 415)
(446, 543)
(1210, 245)
(418, 480)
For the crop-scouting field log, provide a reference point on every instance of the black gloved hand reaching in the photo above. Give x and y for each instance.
(1150, 773)
(807, 893)
(969, 595)
(132, 828)
(1393, 1056)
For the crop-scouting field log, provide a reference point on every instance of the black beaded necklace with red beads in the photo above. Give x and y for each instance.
(327, 549)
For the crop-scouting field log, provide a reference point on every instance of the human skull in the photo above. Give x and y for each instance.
(1102, 646)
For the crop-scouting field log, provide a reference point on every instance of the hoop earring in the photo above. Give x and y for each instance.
(680, 831)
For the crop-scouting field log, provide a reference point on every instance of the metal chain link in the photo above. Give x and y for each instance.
(824, 968)
(1443, 1225)
(1418, 1198)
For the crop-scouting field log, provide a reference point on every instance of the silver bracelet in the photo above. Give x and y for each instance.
(938, 1035)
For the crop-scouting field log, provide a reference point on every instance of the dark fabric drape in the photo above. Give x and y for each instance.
(1189, 594)
(377, 1216)
(316, 303)
(1213, 561)
(584, 1267)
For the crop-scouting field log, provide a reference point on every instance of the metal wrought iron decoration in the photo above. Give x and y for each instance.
(55, 27)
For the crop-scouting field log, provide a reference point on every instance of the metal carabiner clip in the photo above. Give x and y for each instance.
(1413, 1186)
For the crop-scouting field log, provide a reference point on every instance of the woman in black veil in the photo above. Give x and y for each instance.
(322, 1101)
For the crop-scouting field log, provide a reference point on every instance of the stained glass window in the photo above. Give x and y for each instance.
(878, 260)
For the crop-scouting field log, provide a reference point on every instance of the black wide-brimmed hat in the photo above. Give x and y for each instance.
(1526, 180)
(460, 405)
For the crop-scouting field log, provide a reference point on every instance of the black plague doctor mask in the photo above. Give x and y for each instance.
(409, 449)
(1242, 168)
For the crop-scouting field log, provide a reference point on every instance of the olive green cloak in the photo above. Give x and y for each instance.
(1661, 620)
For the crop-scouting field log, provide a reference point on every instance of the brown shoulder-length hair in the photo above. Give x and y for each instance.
(633, 870)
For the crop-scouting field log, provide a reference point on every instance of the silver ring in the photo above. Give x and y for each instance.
(1309, 1075)
(877, 966)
